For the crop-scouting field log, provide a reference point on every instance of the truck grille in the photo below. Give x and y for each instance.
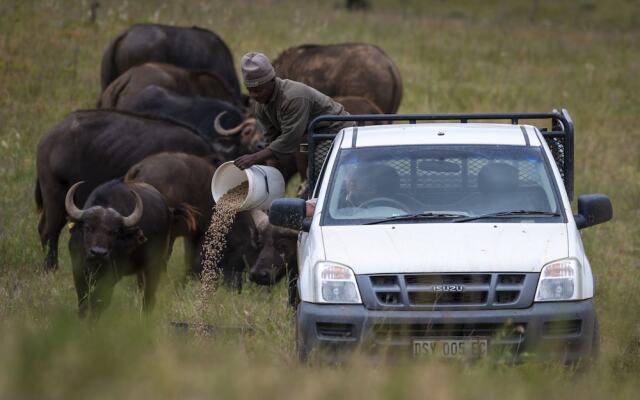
(448, 291)
(386, 331)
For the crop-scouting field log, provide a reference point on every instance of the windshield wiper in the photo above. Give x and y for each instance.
(412, 217)
(508, 214)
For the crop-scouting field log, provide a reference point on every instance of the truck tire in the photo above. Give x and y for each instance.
(301, 349)
(595, 344)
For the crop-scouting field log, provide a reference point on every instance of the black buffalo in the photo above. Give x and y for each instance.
(95, 146)
(277, 257)
(179, 80)
(192, 48)
(123, 229)
(186, 179)
(200, 113)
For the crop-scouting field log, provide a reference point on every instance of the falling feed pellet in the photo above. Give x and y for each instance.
(215, 240)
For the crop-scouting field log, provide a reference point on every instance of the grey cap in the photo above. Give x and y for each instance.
(256, 69)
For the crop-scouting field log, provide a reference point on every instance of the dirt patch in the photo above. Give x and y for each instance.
(215, 241)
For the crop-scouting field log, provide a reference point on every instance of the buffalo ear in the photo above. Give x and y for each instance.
(133, 237)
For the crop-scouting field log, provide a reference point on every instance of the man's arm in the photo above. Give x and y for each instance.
(294, 120)
(248, 160)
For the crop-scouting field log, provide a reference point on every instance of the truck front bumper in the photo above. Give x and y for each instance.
(562, 331)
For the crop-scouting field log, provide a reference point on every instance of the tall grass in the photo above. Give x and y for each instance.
(454, 56)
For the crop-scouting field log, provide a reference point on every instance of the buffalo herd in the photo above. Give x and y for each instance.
(134, 174)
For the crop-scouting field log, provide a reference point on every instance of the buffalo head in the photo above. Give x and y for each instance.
(247, 133)
(278, 253)
(106, 233)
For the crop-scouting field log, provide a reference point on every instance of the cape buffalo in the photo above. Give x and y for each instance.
(200, 113)
(349, 69)
(179, 80)
(123, 229)
(358, 105)
(277, 257)
(95, 146)
(186, 179)
(193, 48)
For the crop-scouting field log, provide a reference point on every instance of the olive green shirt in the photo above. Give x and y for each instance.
(287, 114)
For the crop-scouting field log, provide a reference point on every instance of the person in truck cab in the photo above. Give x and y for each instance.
(372, 184)
(284, 109)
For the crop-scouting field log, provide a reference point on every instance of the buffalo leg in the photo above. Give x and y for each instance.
(100, 294)
(51, 223)
(151, 281)
(232, 270)
(192, 259)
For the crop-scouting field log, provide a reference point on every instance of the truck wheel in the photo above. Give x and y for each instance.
(294, 297)
(595, 344)
(301, 349)
(586, 364)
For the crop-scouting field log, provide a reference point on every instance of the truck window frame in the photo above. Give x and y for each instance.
(550, 173)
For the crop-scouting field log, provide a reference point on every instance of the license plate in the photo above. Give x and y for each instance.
(451, 348)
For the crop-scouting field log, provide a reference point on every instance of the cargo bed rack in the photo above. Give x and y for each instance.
(559, 138)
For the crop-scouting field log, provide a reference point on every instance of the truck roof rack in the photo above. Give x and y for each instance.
(559, 137)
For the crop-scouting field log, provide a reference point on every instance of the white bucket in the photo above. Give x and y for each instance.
(265, 184)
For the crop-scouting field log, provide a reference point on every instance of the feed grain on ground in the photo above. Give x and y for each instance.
(215, 241)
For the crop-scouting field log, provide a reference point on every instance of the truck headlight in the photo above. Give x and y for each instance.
(336, 283)
(560, 280)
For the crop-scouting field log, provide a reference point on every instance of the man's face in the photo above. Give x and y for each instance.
(262, 93)
(359, 188)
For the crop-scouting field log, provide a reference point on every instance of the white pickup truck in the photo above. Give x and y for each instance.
(446, 236)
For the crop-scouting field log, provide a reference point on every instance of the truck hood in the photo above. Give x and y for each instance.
(445, 247)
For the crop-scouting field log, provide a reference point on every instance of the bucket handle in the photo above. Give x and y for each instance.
(264, 174)
(266, 183)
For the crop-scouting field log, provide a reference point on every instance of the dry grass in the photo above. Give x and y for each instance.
(454, 56)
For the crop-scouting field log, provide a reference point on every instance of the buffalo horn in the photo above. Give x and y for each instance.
(233, 131)
(74, 212)
(260, 218)
(225, 132)
(135, 216)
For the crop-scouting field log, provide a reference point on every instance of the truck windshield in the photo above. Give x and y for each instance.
(408, 184)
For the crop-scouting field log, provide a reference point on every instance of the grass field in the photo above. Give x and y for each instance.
(454, 56)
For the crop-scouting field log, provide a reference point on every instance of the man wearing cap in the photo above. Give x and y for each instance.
(284, 108)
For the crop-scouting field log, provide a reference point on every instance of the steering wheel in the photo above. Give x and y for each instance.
(385, 200)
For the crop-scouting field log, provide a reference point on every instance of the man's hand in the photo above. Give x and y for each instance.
(310, 207)
(245, 161)
(248, 160)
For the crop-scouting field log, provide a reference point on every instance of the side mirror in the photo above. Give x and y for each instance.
(288, 213)
(593, 209)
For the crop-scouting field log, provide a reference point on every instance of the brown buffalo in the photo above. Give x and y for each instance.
(349, 69)
(192, 48)
(95, 146)
(182, 81)
(356, 105)
(186, 179)
(123, 229)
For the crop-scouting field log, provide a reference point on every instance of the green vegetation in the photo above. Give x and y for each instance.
(454, 56)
